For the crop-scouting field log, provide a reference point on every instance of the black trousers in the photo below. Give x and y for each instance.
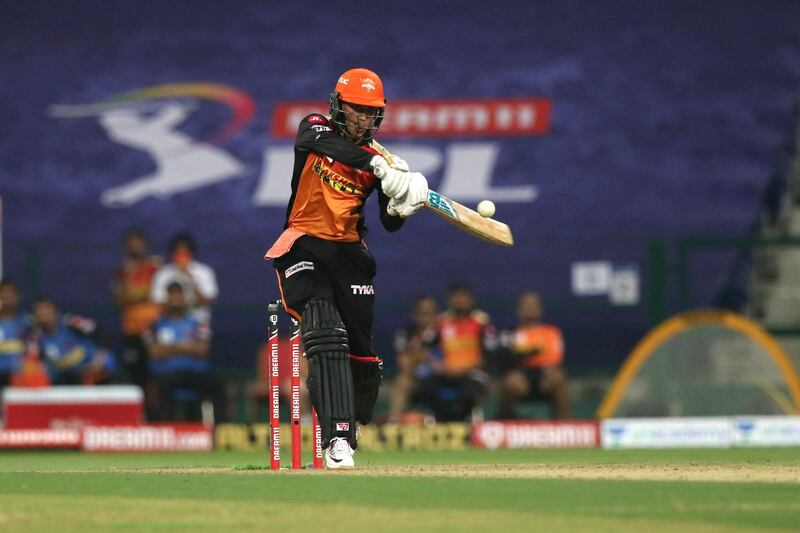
(451, 398)
(339, 272)
(134, 359)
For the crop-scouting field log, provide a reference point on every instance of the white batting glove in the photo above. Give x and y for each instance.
(399, 164)
(417, 189)
(391, 208)
(413, 200)
(379, 166)
(394, 183)
(402, 208)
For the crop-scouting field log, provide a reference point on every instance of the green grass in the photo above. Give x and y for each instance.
(56, 461)
(69, 491)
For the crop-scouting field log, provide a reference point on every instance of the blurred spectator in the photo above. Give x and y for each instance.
(537, 353)
(457, 382)
(68, 346)
(418, 353)
(179, 344)
(14, 325)
(198, 280)
(131, 291)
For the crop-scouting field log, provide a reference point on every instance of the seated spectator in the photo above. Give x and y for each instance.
(67, 344)
(198, 280)
(458, 382)
(179, 345)
(418, 354)
(537, 353)
(131, 291)
(14, 326)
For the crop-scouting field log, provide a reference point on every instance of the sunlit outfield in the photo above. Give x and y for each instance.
(205, 492)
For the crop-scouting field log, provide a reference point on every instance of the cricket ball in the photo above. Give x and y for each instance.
(486, 208)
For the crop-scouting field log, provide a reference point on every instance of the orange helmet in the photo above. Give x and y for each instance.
(357, 86)
(361, 86)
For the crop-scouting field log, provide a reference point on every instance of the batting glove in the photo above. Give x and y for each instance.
(394, 183)
(413, 200)
(399, 164)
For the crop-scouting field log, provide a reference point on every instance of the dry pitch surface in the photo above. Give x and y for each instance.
(734, 473)
(654, 472)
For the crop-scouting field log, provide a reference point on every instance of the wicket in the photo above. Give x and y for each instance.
(274, 397)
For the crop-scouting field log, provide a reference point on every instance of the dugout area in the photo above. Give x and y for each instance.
(705, 363)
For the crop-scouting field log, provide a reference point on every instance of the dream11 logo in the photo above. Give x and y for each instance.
(148, 120)
(468, 166)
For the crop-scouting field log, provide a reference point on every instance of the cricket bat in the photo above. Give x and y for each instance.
(462, 217)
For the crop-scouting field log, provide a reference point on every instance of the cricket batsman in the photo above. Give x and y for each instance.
(324, 269)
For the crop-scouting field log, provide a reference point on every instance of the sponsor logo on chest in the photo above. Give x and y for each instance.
(334, 179)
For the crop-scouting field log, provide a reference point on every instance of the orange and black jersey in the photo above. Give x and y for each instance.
(465, 339)
(539, 345)
(331, 181)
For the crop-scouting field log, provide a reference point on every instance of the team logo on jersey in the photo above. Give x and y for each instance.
(316, 119)
(297, 267)
(363, 289)
(333, 179)
(342, 426)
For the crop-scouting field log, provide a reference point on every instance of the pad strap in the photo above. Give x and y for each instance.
(367, 377)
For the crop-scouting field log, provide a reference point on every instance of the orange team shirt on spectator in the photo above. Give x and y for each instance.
(462, 341)
(546, 339)
(138, 317)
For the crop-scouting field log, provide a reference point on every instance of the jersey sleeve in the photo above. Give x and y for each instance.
(400, 341)
(551, 350)
(489, 339)
(158, 290)
(202, 330)
(390, 223)
(206, 280)
(149, 336)
(555, 348)
(86, 327)
(316, 135)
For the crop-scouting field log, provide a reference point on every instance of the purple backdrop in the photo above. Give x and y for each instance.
(667, 120)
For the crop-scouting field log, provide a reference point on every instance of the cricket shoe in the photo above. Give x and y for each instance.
(339, 454)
